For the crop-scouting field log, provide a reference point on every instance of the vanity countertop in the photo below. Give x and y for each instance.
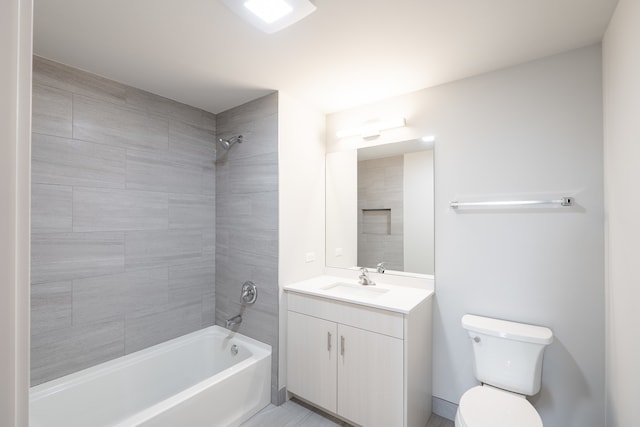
(384, 296)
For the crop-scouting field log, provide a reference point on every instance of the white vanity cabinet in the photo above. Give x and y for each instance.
(369, 366)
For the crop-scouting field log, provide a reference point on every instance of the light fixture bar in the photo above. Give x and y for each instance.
(371, 129)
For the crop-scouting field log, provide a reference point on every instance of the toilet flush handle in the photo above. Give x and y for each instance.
(476, 339)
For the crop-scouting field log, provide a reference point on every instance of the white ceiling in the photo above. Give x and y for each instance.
(347, 53)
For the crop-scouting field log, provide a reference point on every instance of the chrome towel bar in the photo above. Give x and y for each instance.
(564, 201)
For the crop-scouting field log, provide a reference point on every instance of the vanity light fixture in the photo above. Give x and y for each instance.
(372, 129)
(271, 15)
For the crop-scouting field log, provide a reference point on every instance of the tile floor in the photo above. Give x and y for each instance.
(294, 413)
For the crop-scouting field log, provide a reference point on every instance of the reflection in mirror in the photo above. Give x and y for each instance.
(380, 208)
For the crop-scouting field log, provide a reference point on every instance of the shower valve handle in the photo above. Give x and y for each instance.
(249, 292)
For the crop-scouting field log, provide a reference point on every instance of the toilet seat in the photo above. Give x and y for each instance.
(486, 406)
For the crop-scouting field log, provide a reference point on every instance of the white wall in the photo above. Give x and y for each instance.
(15, 157)
(418, 212)
(342, 209)
(528, 131)
(301, 176)
(621, 60)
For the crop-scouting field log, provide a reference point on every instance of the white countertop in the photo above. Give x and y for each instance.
(384, 296)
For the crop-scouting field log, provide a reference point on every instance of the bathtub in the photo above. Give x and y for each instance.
(194, 380)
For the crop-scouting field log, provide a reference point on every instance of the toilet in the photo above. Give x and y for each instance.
(508, 363)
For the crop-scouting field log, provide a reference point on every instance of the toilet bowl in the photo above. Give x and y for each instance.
(507, 360)
(486, 406)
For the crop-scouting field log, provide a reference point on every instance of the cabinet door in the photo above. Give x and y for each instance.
(370, 378)
(311, 359)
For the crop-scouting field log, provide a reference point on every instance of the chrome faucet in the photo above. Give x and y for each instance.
(380, 267)
(365, 280)
(235, 320)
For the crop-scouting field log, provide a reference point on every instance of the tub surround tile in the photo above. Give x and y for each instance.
(120, 296)
(209, 308)
(64, 161)
(67, 256)
(50, 306)
(257, 210)
(147, 101)
(118, 126)
(123, 196)
(209, 244)
(258, 138)
(52, 110)
(59, 352)
(51, 208)
(189, 283)
(191, 211)
(238, 118)
(158, 172)
(145, 249)
(253, 174)
(96, 209)
(209, 181)
(145, 331)
(191, 144)
(246, 238)
(53, 74)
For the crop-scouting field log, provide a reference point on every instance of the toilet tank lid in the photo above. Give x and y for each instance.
(506, 329)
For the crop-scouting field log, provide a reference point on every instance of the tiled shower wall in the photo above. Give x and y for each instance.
(381, 212)
(247, 222)
(123, 220)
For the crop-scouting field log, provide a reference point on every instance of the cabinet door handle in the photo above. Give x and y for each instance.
(341, 345)
(328, 341)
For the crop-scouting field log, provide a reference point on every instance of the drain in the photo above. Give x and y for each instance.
(234, 349)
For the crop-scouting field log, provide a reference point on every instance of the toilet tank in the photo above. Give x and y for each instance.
(507, 355)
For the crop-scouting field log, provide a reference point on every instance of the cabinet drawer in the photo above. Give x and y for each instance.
(367, 318)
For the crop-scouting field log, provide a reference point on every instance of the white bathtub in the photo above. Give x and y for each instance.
(194, 380)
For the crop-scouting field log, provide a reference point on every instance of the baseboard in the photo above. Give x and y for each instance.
(444, 408)
(282, 396)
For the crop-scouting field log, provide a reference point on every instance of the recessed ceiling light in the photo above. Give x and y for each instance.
(428, 138)
(271, 15)
(268, 10)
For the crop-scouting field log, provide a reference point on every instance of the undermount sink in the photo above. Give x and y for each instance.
(351, 290)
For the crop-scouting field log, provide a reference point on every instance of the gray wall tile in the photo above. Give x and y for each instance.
(52, 109)
(246, 235)
(51, 208)
(191, 144)
(145, 331)
(102, 253)
(191, 211)
(254, 174)
(158, 172)
(63, 351)
(53, 74)
(120, 296)
(66, 256)
(65, 161)
(99, 209)
(118, 126)
(146, 249)
(50, 306)
(209, 181)
(189, 283)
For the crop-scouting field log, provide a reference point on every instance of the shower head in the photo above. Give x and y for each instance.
(228, 143)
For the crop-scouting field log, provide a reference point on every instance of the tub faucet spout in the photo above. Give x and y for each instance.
(235, 320)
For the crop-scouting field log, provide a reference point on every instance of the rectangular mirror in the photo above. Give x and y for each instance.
(380, 207)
